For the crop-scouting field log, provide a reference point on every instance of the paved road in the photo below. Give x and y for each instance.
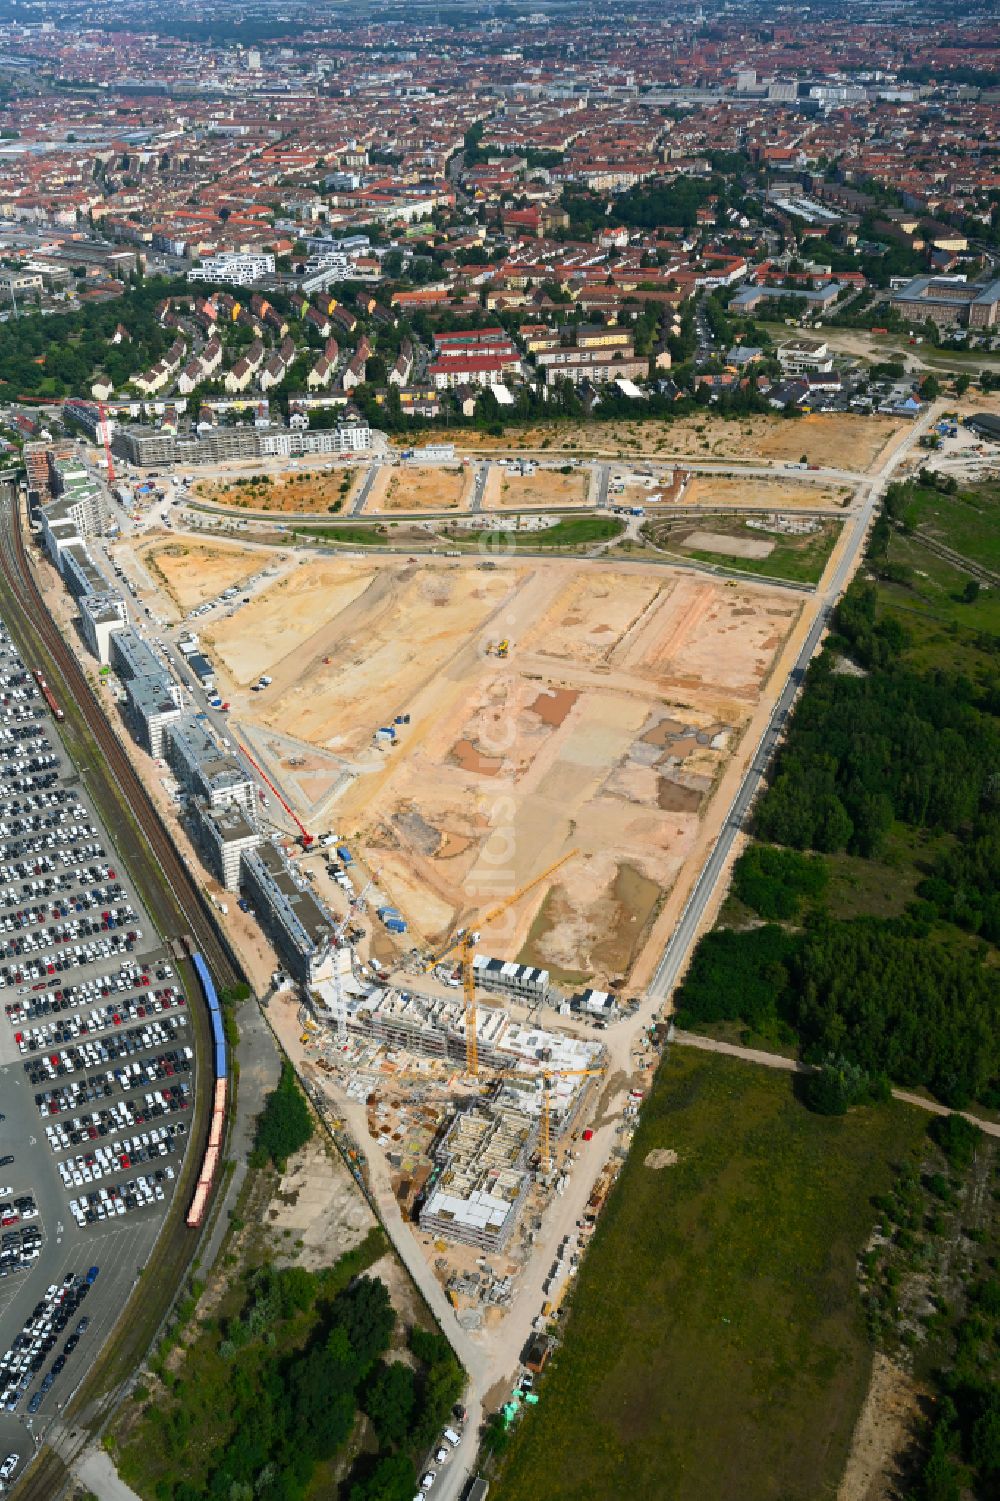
(479, 489)
(682, 941)
(366, 487)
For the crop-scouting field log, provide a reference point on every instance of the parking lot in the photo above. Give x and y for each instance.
(96, 1073)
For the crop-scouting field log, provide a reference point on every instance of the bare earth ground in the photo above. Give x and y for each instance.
(544, 488)
(711, 489)
(420, 487)
(884, 1427)
(308, 490)
(192, 572)
(606, 731)
(732, 547)
(316, 1212)
(836, 440)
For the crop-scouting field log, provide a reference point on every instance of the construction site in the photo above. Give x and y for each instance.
(464, 726)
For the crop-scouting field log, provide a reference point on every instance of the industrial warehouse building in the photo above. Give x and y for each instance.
(948, 300)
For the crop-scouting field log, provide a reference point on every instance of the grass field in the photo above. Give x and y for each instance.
(569, 535)
(934, 591)
(799, 559)
(716, 1344)
(348, 536)
(968, 522)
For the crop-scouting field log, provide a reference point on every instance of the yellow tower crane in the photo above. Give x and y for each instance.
(545, 1150)
(547, 1075)
(465, 941)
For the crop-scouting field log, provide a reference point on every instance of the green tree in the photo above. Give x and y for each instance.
(389, 1400)
(392, 1479)
(284, 1125)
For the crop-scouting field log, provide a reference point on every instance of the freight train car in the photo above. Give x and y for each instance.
(48, 695)
(210, 1161)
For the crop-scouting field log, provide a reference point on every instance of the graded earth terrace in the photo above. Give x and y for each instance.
(605, 730)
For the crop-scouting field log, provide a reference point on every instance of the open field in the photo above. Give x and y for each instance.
(311, 490)
(420, 487)
(968, 522)
(192, 572)
(546, 487)
(838, 440)
(568, 534)
(606, 730)
(716, 1346)
(729, 541)
(783, 495)
(879, 349)
(934, 592)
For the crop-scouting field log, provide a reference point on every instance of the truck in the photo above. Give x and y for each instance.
(215, 701)
(345, 855)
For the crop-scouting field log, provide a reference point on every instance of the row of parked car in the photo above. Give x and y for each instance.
(122, 1198)
(72, 930)
(55, 907)
(93, 1167)
(20, 1248)
(102, 1086)
(99, 1019)
(92, 1052)
(52, 963)
(39, 1336)
(121, 1116)
(130, 976)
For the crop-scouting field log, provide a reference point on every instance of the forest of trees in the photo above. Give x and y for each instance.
(284, 1124)
(890, 745)
(74, 346)
(897, 744)
(290, 1376)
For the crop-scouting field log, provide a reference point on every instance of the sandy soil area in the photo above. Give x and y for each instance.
(784, 495)
(546, 487)
(310, 491)
(604, 732)
(192, 572)
(838, 440)
(887, 1423)
(732, 547)
(421, 487)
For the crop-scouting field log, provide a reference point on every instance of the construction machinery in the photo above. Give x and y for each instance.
(305, 838)
(465, 941)
(498, 648)
(545, 1147)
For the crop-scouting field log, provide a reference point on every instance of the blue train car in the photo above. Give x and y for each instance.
(214, 1016)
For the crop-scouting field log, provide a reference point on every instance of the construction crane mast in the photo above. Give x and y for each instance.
(106, 434)
(545, 1148)
(465, 941)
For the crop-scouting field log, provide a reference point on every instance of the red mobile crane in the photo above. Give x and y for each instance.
(305, 837)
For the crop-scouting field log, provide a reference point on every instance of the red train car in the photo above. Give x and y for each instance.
(48, 695)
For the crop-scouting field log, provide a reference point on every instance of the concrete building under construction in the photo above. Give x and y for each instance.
(434, 1027)
(481, 1178)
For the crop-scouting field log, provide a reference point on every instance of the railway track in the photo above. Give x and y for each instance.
(188, 897)
(177, 906)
